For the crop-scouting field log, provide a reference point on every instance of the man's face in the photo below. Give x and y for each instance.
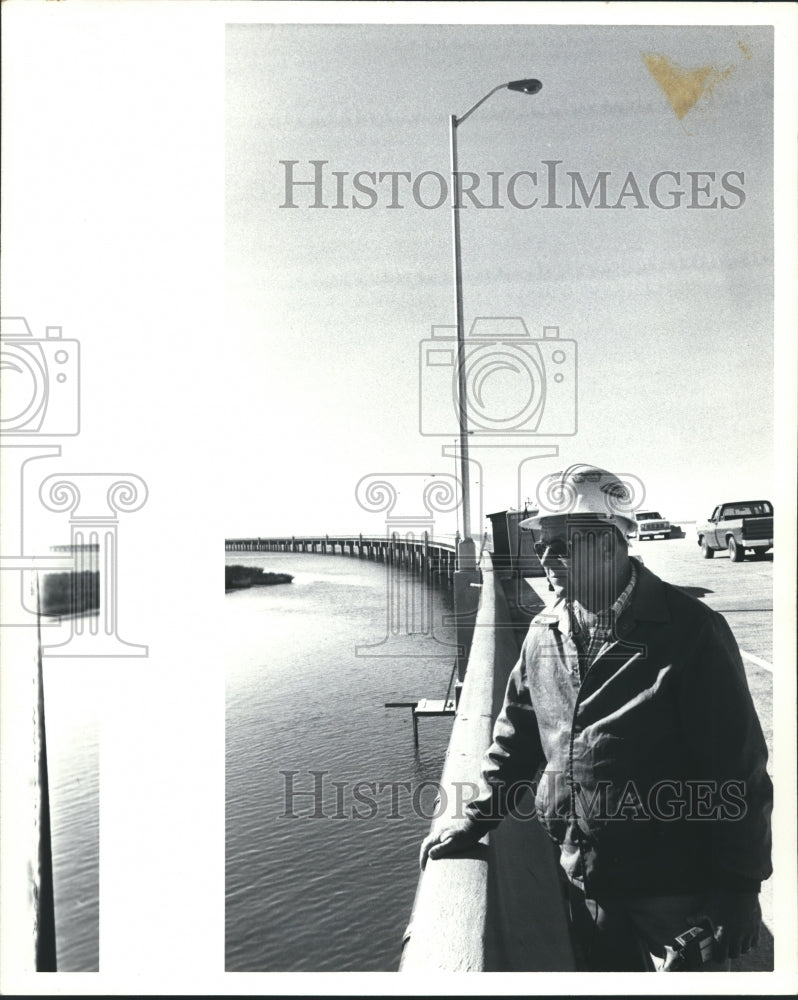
(580, 556)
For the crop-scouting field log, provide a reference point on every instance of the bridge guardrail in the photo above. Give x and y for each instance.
(498, 907)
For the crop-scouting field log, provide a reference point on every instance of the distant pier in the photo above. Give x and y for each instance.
(435, 560)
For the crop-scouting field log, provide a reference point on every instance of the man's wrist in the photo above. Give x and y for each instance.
(485, 821)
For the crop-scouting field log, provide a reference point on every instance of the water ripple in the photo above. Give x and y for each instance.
(315, 882)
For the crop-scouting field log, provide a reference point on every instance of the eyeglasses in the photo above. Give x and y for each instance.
(554, 548)
(560, 547)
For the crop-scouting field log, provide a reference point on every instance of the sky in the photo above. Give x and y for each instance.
(668, 312)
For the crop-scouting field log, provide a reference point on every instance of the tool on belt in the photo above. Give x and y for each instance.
(691, 949)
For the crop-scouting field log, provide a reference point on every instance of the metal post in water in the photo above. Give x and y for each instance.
(44, 900)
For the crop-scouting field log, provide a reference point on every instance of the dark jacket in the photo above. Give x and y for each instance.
(655, 777)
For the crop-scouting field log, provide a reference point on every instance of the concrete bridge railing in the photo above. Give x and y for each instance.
(498, 907)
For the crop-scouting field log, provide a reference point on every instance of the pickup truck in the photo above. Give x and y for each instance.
(651, 523)
(738, 526)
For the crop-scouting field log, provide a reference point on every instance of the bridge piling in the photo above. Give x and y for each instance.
(433, 561)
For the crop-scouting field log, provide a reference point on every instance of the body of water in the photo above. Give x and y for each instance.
(72, 724)
(327, 798)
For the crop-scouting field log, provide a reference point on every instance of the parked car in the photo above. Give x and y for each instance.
(651, 523)
(741, 526)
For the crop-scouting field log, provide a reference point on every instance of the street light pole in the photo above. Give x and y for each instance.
(466, 551)
(458, 308)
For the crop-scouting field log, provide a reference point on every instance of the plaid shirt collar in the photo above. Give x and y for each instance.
(591, 629)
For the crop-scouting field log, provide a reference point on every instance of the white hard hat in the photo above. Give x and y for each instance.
(586, 489)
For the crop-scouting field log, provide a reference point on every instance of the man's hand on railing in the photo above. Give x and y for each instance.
(452, 837)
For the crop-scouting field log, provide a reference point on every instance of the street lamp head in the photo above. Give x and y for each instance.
(522, 86)
(525, 86)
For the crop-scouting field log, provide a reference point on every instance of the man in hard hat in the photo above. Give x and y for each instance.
(632, 697)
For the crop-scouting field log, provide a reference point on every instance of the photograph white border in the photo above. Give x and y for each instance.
(141, 951)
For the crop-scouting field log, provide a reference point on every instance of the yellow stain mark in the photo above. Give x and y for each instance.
(683, 87)
(744, 49)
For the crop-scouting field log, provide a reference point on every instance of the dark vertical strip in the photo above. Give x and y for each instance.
(44, 899)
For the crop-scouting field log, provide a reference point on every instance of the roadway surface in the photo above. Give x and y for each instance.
(743, 593)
